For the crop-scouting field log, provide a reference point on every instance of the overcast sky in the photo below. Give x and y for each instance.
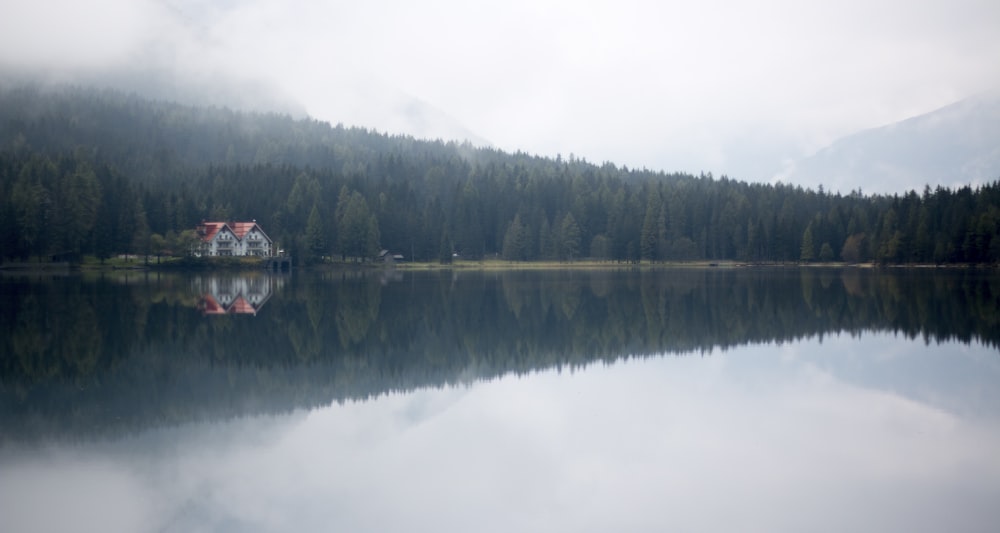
(717, 86)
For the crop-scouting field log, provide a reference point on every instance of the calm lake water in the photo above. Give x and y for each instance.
(671, 400)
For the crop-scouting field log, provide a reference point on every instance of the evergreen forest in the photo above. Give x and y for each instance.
(103, 173)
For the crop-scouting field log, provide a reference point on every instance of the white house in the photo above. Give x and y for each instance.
(233, 239)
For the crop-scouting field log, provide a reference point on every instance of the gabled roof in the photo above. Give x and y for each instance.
(208, 230)
(242, 228)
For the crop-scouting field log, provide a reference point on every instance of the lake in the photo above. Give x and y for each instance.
(693, 399)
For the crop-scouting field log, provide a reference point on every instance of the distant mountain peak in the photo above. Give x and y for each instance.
(953, 146)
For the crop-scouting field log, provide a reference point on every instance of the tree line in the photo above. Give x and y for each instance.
(88, 172)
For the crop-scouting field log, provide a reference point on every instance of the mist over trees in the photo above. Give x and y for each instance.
(89, 172)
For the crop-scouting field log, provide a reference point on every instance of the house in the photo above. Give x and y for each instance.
(233, 239)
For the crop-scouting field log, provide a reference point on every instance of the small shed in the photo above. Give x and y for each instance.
(389, 258)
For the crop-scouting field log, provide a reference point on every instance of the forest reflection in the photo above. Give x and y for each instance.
(97, 355)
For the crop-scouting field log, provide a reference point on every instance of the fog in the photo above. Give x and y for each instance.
(723, 87)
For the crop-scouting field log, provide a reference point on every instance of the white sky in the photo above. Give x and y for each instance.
(717, 86)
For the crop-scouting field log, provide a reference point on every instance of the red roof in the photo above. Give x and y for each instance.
(207, 230)
(242, 228)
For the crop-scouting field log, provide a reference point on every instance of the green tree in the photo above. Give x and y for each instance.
(826, 253)
(854, 249)
(373, 237)
(569, 238)
(79, 198)
(648, 239)
(305, 191)
(600, 247)
(187, 243)
(808, 251)
(515, 247)
(315, 243)
(445, 249)
(30, 201)
(158, 245)
(356, 228)
(890, 245)
(141, 243)
(546, 245)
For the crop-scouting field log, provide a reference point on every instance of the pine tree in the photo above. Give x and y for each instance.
(514, 245)
(826, 252)
(373, 244)
(570, 237)
(808, 251)
(647, 243)
(315, 245)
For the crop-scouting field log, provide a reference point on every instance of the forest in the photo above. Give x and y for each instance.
(87, 172)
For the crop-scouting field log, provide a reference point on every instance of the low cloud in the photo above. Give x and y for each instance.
(663, 85)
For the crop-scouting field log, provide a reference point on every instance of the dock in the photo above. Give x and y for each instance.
(278, 264)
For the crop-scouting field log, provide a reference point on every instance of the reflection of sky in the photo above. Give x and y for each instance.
(794, 437)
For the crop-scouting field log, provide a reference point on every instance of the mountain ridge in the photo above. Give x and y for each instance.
(953, 146)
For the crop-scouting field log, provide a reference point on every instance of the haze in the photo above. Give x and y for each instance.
(737, 88)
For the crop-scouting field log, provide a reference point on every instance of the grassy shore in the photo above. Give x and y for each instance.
(253, 263)
(586, 264)
(171, 263)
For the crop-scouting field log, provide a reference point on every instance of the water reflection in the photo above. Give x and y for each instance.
(241, 295)
(760, 438)
(104, 356)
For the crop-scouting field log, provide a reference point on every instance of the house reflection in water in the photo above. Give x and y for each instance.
(236, 295)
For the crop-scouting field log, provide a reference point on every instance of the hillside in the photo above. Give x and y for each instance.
(953, 146)
(101, 172)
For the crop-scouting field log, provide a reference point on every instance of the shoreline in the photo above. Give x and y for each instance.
(485, 265)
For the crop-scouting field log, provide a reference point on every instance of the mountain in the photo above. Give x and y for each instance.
(953, 146)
